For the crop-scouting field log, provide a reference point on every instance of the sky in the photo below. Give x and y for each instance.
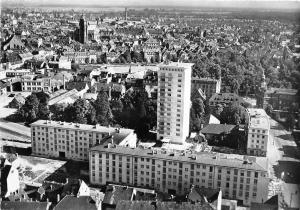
(214, 3)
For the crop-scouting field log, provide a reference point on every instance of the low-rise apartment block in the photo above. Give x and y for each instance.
(258, 132)
(224, 99)
(72, 140)
(175, 172)
(208, 86)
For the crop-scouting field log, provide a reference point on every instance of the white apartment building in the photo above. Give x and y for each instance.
(258, 132)
(72, 140)
(175, 172)
(173, 103)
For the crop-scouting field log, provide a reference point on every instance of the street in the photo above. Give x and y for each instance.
(284, 160)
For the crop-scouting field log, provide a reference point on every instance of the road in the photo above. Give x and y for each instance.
(10, 130)
(284, 160)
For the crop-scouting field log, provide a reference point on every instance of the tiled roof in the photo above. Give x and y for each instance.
(197, 194)
(76, 85)
(218, 129)
(76, 203)
(115, 193)
(148, 205)
(24, 205)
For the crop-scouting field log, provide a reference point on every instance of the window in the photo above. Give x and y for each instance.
(235, 172)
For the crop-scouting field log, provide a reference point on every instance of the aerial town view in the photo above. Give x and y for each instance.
(150, 105)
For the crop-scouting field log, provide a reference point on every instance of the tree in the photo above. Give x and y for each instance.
(104, 58)
(142, 126)
(79, 112)
(232, 114)
(42, 97)
(57, 111)
(30, 109)
(127, 56)
(198, 106)
(99, 60)
(269, 109)
(136, 56)
(43, 112)
(195, 121)
(290, 121)
(102, 108)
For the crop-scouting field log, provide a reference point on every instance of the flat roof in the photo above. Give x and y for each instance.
(177, 64)
(205, 79)
(216, 159)
(284, 91)
(259, 122)
(256, 112)
(118, 136)
(258, 118)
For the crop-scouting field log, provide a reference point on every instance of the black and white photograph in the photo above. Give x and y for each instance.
(150, 105)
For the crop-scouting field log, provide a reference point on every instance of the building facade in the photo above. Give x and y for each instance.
(175, 172)
(258, 132)
(32, 84)
(224, 99)
(72, 140)
(283, 100)
(151, 49)
(173, 103)
(208, 86)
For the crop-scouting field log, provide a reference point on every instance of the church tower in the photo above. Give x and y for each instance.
(82, 30)
(125, 14)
